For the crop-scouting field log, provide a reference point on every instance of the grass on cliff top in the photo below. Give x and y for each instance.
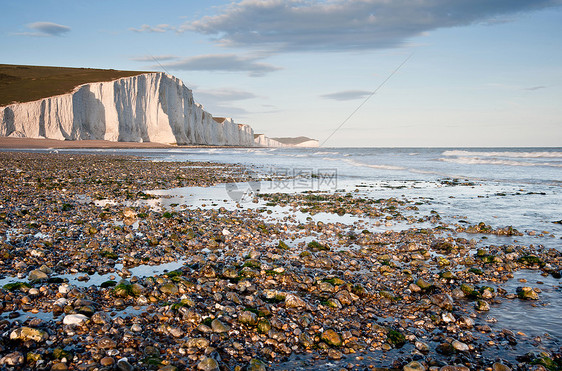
(29, 83)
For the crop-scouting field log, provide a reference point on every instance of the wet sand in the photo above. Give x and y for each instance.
(32, 143)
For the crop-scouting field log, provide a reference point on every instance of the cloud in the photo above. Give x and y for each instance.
(152, 58)
(45, 29)
(348, 95)
(346, 24)
(225, 95)
(161, 28)
(533, 88)
(224, 63)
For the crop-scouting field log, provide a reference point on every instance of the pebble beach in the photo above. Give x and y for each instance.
(96, 275)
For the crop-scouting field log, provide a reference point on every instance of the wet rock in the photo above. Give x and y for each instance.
(527, 293)
(460, 346)
(264, 326)
(306, 340)
(12, 359)
(482, 305)
(219, 327)
(443, 301)
(169, 289)
(37, 275)
(414, 366)
(60, 366)
(124, 365)
(208, 364)
(27, 333)
(74, 319)
(331, 337)
(248, 318)
(334, 354)
(294, 301)
(101, 318)
(421, 346)
(256, 365)
(423, 284)
(107, 343)
(199, 343)
(500, 367)
(107, 361)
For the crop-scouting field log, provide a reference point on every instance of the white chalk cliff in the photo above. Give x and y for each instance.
(151, 107)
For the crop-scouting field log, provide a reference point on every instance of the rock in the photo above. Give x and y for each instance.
(208, 364)
(345, 297)
(219, 327)
(169, 289)
(101, 318)
(460, 346)
(37, 275)
(500, 367)
(248, 318)
(12, 359)
(331, 337)
(27, 333)
(306, 340)
(124, 365)
(199, 343)
(423, 284)
(443, 301)
(482, 305)
(527, 293)
(264, 326)
(448, 318)
(74, 319)
(107, 343)
(60, 366)
(293, 301)
(129, 213)
(107, 361)
(414, 366)
(421, 346)
(256, 365)
(334, 354)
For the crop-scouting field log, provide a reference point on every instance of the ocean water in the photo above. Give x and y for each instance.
(519, 187)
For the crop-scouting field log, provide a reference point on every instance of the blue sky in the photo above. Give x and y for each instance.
(480, 73)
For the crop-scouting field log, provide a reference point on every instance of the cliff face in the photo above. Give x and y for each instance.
(152, 107)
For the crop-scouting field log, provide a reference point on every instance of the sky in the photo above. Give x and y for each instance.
(350, 73)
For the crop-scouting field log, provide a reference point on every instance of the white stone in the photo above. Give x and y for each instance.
(74, 319)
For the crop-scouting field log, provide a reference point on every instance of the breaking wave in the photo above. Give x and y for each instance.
(480, 161)
(506, 154)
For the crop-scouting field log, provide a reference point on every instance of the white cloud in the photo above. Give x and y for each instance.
(161, 28)
(42, 29)
(222, 62)
(152, 58)
(348, 95)
(346, 24)
(225, 95)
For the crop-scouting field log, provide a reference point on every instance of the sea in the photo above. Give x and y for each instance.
(517, 187)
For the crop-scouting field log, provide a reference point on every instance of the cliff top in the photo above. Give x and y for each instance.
(19, 84)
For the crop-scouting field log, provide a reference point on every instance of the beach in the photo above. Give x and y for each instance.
(169, 258)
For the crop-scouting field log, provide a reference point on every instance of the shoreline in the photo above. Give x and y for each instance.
(251, 292)
(38, 143)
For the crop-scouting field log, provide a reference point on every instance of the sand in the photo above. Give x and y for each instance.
(32, 143)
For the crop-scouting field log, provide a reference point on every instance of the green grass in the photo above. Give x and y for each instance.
(29, 83)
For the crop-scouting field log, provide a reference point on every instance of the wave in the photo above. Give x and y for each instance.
(479, 161)
(362, 164)
(509, 154)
